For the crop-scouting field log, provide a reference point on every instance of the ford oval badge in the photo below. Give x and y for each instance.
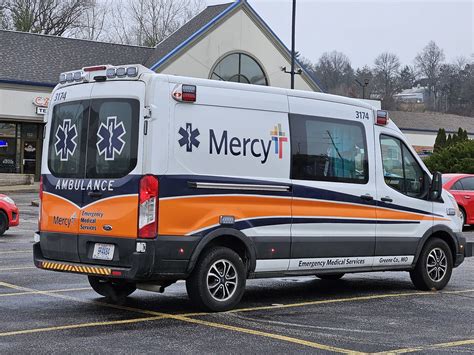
(107, 227)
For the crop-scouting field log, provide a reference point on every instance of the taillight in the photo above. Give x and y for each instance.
(148, 207)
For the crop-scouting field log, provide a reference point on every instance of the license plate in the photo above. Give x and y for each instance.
(103, 251)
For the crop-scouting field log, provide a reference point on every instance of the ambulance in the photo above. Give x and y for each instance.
(148, 179)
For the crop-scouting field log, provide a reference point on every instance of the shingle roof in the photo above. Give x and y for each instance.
(41, 58)
(185, 32)
(431, 121)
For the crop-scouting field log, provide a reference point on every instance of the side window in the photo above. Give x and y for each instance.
(467, 184)
(326, 149)
(457, 186)
(400, 169)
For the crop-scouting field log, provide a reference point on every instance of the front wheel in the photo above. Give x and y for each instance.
(113, 289)
(434, 267)
(3, 223)
(463, 218)
(217, 283)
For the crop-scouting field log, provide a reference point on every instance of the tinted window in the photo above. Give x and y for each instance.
(400, 169)
(328, 150)
(68, 139)
(103, 131)
(240, 68)
(112, 150)
(468, 183)
(457, 186)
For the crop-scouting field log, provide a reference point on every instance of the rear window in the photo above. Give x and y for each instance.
(94, 138)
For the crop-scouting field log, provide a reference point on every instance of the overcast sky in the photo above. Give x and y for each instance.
(362, 29)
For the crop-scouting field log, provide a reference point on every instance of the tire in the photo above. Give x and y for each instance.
(110, 288)
(463, 217)
(3, 223)
(213, 288)
(434, 267)
(330, 276)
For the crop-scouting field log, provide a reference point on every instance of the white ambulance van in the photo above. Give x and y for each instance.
(148, 179)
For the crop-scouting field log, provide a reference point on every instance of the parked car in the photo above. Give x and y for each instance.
(462, 188)
(9, 216)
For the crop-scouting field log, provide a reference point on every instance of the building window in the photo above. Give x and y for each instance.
(239, 68)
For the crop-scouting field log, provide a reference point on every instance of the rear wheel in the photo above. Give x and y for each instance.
(110, 288)
(434, 267)
(217, 283)
(3, 223)
(336, 276)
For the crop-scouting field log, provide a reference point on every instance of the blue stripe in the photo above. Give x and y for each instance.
(272, 221)
(194, 35)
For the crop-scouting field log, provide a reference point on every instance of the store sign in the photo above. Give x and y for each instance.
(41, 101)
(41, 110)
(41, 104)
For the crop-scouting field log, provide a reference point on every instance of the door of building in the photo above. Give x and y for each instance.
(29, 156)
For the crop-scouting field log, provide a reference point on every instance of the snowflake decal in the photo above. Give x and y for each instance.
(110, 138)
(189, 137)
(65, 144)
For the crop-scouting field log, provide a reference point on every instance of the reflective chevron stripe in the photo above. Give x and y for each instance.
(76, 268)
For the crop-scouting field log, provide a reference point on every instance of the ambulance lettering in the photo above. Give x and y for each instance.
(82, 185)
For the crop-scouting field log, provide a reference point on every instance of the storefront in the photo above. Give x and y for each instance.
(21, 129)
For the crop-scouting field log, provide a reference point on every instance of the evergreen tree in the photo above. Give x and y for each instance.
(449, 141)
(440, 141)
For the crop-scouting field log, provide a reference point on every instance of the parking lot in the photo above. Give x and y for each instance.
(49, 312)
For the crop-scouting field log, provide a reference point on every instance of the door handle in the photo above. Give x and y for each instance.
(367, 197)
(94, 194)
(386, 199)
(467, 197)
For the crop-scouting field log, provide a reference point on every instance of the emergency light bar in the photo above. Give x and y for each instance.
(111, 72)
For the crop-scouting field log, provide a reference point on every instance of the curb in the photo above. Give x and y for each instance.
(35, 203)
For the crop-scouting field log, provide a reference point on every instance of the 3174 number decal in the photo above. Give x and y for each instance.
(361, 115)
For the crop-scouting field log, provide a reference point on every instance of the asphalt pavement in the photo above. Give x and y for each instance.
(49, 312)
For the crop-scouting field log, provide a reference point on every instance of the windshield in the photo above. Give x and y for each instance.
(94, 138)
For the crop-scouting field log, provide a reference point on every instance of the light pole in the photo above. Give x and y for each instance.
(293, 25)
(363, 86)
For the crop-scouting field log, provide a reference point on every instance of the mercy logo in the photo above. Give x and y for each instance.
(66, 140)
(258, 148)
(278, 136)
(110, 138)
(189, 137)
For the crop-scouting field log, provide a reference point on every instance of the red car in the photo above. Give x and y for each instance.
(462, 188)
(9, 216)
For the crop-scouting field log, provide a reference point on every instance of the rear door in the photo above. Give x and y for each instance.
(467, 195)
(333, 181)
(100, 180)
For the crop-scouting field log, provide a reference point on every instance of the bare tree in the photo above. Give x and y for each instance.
(428, 63)
(148, 22)
(52, 17)
(92, 24)
(334, 71)
(387, 66)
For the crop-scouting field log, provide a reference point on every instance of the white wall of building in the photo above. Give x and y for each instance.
(420, 138)
(16, 102)
(237, 33)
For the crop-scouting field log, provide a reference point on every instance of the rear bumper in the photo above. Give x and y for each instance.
(165, 257)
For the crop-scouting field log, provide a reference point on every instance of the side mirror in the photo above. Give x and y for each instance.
(436, 187)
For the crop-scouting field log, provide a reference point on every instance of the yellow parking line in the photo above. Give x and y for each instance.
(432, 347)
(80, 325)
(348, 299)
(47, 291)
(184, 318)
